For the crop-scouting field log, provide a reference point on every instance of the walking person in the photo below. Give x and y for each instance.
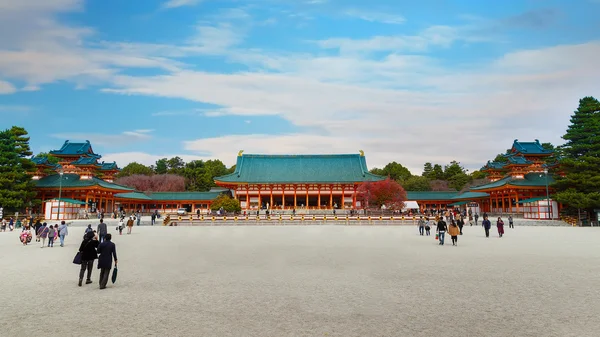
(421, 226)
(63, 231)
(37, 227)
(153, 217)
(51, 235)
(107, 251)
(510, 222)
(486, 225)
(88, 255)
(460, 224)
(476, 219)
(454, 231)
(428, 227)
(139, 217)
(102, 231)
(121, 225)
(129, 224)
(500, 225)
(55, 233)
(3, 227)
(441, 229)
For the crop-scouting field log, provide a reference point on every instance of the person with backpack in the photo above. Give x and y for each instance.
(44, 234)
(88, 255)
(454, 231)
(130, 224)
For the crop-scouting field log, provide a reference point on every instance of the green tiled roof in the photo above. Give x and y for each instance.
(176, 196)
(346, 168)
(85, 161)
(73, 180)
(459, 203)
(532, 200)
(518, 160)
(530, 179)
(471, 195)
(529, 148)
(108, 166)
(71, 201)
(76, 149)
(42, 161)
(493, 165)
(133, 195)
(430, 195)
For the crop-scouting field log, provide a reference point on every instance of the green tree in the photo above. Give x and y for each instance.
(476, 175)
(135, 168)
(453, 169)
(428, 171)
(393, 170)
(175, 165)
(438, 172)
(416, 183)
(227, 203)
(580, 187)
(161, 166)
(16, 187)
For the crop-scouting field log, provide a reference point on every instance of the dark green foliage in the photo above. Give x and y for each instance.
(416, 183)
(580, 188)
(16, 187)
(135, 168)
(161, 166)
(393, 170)
(227, 203)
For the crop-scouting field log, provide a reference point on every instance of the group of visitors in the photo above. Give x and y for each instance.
(91, 249)
(44, 232)
(457, 223)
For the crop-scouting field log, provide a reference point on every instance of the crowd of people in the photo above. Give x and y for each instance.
(456, 222)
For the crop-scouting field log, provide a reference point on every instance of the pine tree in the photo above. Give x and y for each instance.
(16, 187)
(580, 187)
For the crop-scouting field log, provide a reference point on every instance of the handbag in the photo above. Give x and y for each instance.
(77, 258)
(437, 236)
(114, 275)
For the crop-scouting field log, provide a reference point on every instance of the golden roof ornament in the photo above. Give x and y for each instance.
(240, 153)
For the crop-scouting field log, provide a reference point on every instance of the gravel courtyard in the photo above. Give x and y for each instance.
(310, 281)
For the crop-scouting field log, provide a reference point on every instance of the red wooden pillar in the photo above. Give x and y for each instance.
(319, 196)
(295, 196)
(306, 187)
(259, 196)
(271, 189)
(354, 197)
(248, 196)
(331, 196)
(343, 196)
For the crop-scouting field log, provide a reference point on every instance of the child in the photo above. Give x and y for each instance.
(55, 233)
(44, 234)
(51, 232)
(454, 231)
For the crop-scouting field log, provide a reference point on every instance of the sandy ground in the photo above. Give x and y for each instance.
(309, 281)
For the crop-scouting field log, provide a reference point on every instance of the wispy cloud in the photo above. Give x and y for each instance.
(15, 108)
(7, 88)
(372, 16)
(108, 140)
(180, 3)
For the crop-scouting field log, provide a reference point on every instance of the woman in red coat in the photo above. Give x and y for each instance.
(500, 225)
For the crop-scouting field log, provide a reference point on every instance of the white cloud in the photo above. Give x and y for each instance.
(467, 114)
(7, 88)
(180, 3)
(108, 140)
(371, 16)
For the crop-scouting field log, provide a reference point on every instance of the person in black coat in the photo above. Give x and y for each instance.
(88, 255)
(107, 251)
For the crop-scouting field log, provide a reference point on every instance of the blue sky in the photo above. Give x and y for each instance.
(409, 82)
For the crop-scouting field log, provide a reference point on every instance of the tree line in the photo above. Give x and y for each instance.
(435, 177)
